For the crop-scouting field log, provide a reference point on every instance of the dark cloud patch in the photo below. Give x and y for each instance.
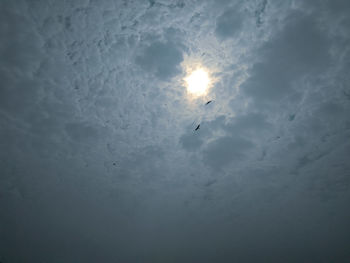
(147, 165)
(329, 114)
(330, 109)
(162, 59)
(22, 48)
(259, 12)
(251, 122)
(300, 49)
(216, 124)
(338, 6)
(291, 117)
(225, 150)
(228, 24)
(81, 132)
(233, 147)
(191, 141)
(17, 95)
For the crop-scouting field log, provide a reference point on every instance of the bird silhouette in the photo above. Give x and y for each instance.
(208, 102)
(197, 127)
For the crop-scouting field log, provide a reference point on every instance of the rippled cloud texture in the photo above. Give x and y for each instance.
(99, 160)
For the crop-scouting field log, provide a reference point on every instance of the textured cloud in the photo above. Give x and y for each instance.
(228, 24)
(162, 58)
(225, 150)
(99, 160)
(296, 52)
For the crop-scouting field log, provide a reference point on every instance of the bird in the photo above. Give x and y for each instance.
(208, 102)
(197, 127)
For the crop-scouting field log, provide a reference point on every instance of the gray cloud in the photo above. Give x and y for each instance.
(191, 141)
(252, 122)
(298, 51)
(228, 24)
(163, 59)
(225, 150)
(99, 160)
(81, 131)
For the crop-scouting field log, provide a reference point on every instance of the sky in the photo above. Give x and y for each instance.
(99, 160)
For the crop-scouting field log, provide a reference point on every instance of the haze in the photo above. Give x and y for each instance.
(99, 157)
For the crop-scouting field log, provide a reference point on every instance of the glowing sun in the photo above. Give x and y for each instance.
(198, 82)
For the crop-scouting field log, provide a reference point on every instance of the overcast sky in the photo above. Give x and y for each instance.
(99, 160)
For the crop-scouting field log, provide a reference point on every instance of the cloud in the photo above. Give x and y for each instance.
(251, 122)
(228, 24)
(17, 95)
(162, 59)
(225, 150)
(299, 50)
(97, 143)
(259, 12)
(22, 49)
(338, 6)
(81, 132)
(191, 141)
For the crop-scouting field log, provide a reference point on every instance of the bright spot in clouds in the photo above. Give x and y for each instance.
(198, 82)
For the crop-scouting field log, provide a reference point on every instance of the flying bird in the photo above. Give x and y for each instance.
(208, 102)
(197, 127)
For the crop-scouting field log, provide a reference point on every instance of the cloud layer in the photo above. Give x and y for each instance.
(99, 160)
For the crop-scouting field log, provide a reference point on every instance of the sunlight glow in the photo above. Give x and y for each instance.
(198, 82)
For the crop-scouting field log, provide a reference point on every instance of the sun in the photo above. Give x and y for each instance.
(198, 82)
